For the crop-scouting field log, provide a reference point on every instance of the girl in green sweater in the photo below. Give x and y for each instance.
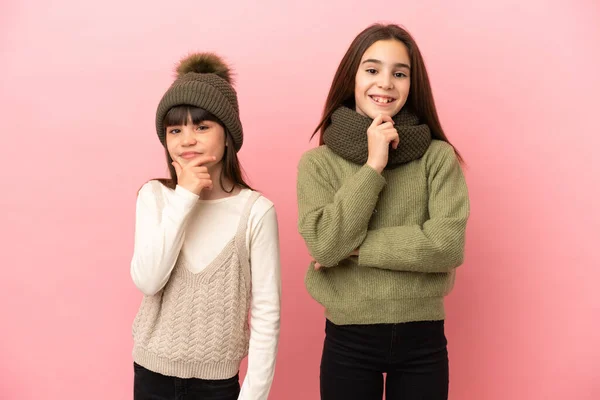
(383, 208)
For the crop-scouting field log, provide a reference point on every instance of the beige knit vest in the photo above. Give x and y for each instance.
(197, 325)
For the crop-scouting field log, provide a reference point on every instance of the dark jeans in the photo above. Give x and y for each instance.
(413, 355)
(149, 385)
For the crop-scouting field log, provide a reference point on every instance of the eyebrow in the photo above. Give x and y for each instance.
(397, 65)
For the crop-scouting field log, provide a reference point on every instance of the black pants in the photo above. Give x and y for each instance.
(413, 355)
(149, 385)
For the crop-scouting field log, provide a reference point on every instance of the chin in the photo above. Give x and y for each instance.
(375, 113)
(369, 113)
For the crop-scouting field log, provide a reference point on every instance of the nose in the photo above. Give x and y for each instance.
(188, 138)
(385, 82)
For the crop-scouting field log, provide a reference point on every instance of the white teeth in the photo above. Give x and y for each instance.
(382, 100)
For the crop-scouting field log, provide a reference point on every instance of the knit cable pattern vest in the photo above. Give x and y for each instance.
(197, 325)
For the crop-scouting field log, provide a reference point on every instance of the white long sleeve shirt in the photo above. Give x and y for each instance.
(201, 229)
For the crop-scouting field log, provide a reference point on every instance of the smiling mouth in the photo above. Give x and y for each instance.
(382, 99)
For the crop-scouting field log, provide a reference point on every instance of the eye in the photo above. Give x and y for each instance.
(202, 127)
(174, 130)
(371, 71)
(400, 75)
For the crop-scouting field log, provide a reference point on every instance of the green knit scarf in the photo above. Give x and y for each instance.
(347, 137)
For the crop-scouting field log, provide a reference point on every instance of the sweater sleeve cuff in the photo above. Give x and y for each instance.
(369, 251)
(185, 196)
(367, 182)
(180, 203)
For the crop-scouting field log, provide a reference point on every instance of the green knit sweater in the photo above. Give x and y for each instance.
(408, 224)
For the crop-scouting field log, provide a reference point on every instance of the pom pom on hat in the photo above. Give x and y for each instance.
(204, 63)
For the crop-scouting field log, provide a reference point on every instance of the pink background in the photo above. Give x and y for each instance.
(516, 85)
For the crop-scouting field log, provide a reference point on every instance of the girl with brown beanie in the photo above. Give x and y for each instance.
(206, 252)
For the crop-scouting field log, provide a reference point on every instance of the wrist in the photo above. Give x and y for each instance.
(376, 166)
(190, 188)
(185, 194)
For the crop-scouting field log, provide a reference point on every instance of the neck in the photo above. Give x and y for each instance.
(217, 192)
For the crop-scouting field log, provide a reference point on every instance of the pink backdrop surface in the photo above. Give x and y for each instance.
(516, 85)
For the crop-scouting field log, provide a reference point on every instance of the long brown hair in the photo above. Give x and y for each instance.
(420, 97)
(232, 169)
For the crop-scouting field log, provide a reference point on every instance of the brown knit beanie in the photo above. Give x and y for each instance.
(203, 80)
